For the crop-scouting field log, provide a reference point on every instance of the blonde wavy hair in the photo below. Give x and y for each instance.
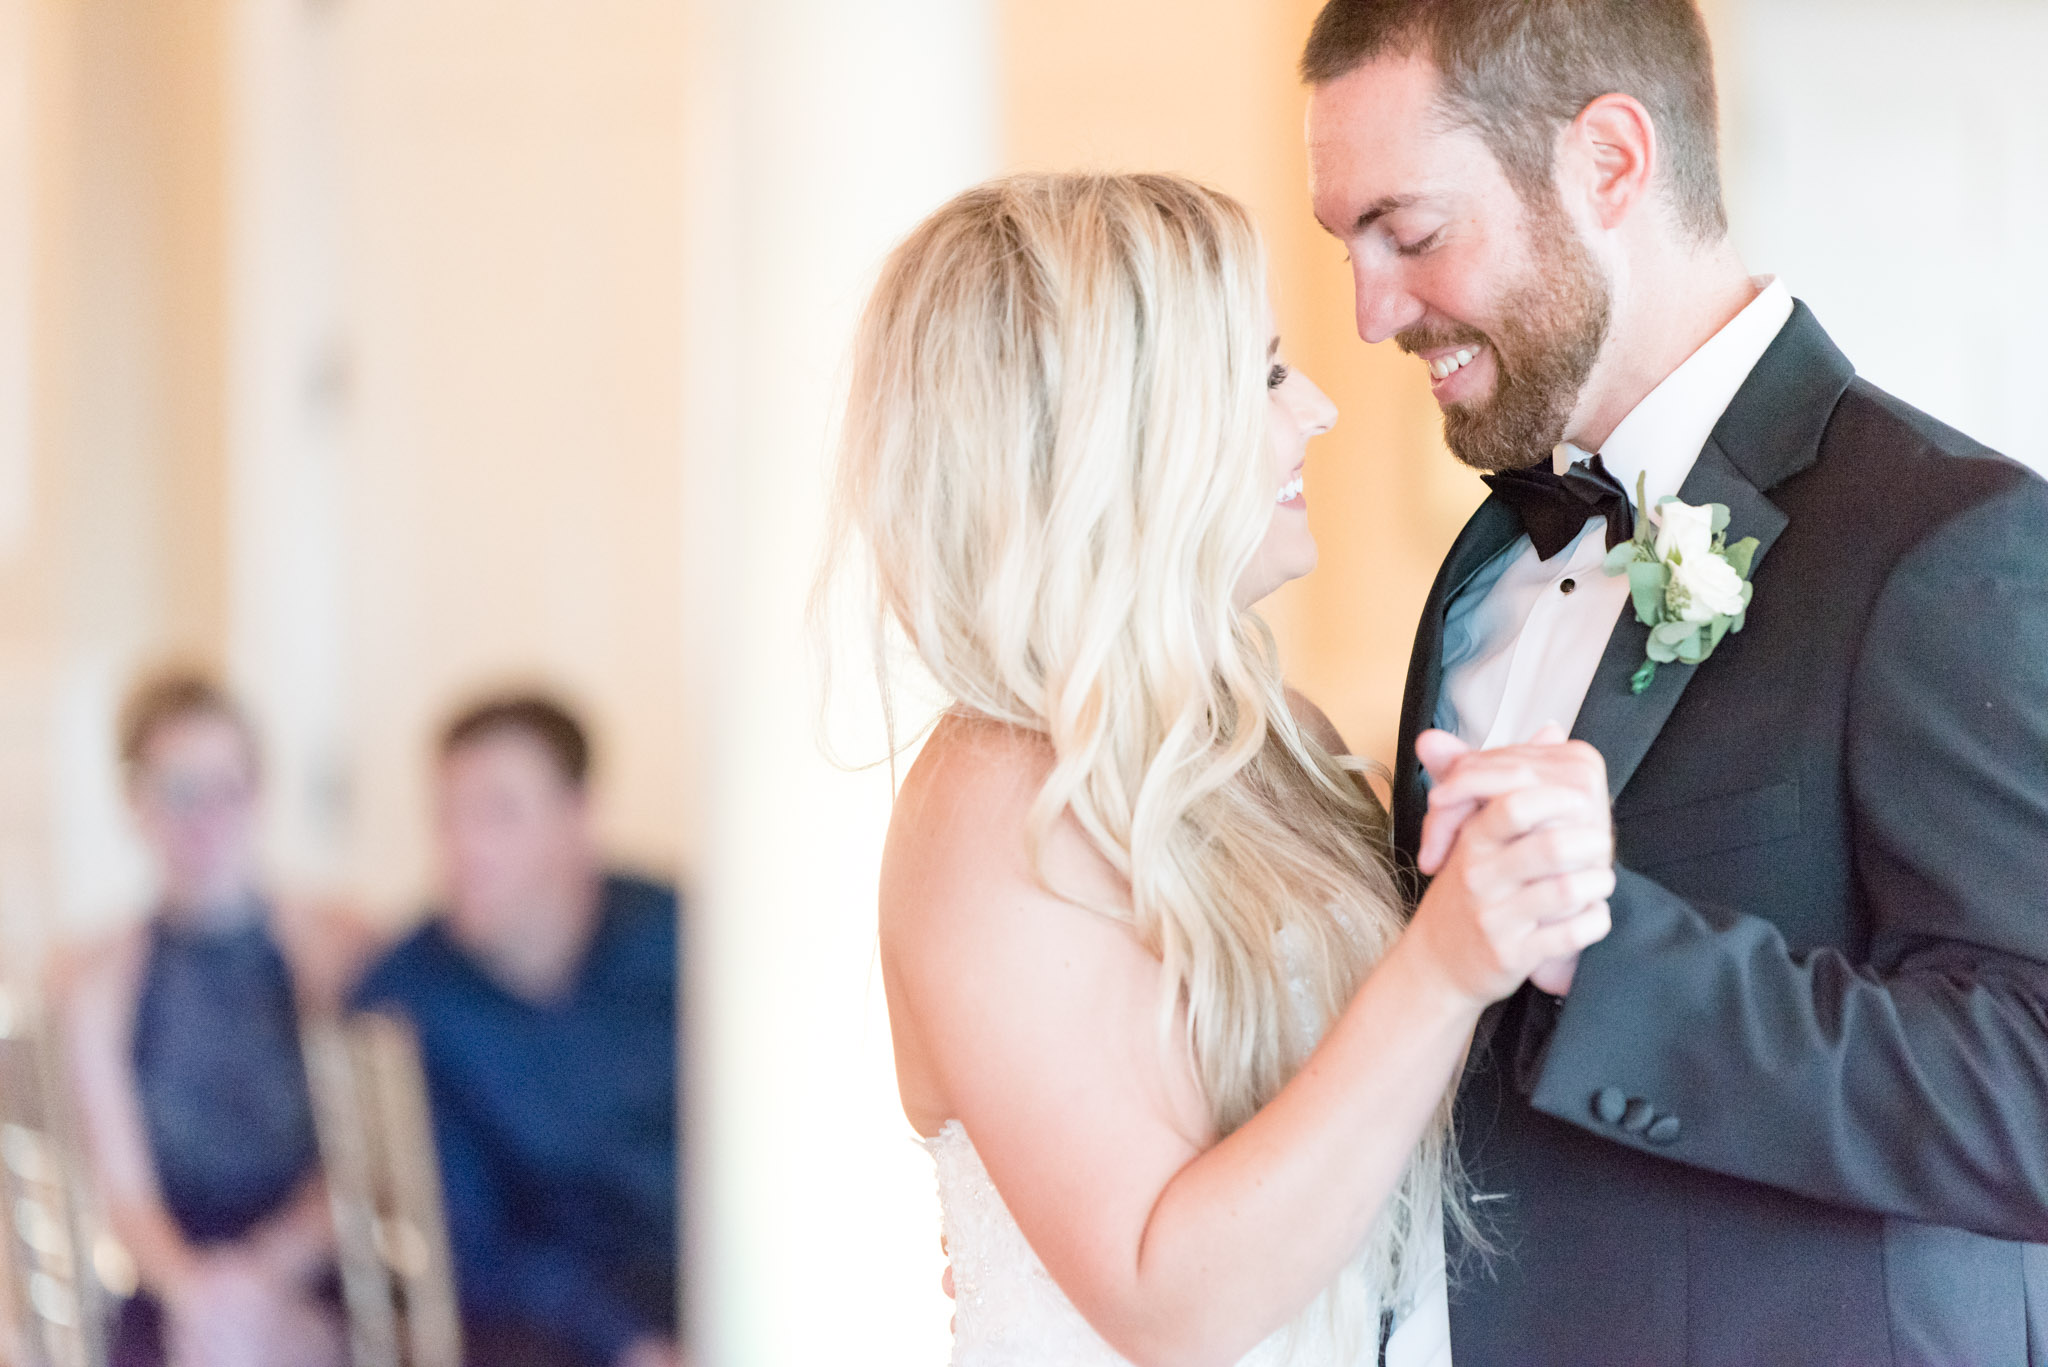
(1055, 450)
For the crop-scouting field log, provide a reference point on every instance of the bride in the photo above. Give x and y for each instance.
(1176, 1042)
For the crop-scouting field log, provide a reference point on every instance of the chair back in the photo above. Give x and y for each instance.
(377, 1147)
(52, 1307)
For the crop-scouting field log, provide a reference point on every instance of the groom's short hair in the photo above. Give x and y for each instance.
(1518, 71)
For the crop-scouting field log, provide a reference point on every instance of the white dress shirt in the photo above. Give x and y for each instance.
(1524, 638)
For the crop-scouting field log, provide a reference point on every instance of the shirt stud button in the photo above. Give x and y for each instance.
(1567, 586)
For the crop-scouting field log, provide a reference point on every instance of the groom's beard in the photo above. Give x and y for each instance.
(1555, 322)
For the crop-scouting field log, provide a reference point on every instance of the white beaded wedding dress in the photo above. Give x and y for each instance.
(1010, 1313)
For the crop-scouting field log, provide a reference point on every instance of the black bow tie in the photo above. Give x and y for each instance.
(1554, 507)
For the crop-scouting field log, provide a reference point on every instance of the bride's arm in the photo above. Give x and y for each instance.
(1034, 1022)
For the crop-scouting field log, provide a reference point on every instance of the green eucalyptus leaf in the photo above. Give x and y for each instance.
(1671, 633)
(1742, 555)
(1622, 556)
(1646, 530)
(1720, 628)
(1646, 581)
(1660, 652)
(1720, 515)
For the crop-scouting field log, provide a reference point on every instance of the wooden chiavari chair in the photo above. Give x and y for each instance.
(53, 1297)
(377, 1146)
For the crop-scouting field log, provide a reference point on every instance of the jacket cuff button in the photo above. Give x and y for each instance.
(1665, 1131)
(1610, 1105)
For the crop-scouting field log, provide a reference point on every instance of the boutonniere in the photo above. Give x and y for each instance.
(1689, 586)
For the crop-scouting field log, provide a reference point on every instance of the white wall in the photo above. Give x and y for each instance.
(1890, 160)
(820, 132)
(288, 456)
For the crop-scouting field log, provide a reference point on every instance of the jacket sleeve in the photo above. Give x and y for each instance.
(1912, 1079)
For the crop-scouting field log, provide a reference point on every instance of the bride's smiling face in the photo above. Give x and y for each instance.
(1295, 412)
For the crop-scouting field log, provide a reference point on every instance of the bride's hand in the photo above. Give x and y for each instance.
(1464, 778)
(1524, 885)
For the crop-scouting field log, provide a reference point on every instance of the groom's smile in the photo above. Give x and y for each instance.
(1460, 374)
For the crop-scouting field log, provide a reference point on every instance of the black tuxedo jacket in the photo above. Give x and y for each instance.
(1795, 1109)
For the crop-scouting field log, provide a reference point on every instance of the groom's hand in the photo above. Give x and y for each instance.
(1463, 780)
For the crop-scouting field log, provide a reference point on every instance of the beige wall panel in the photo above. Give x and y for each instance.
(513, 176)
(116, 553)
(17, 268)
(147, 342)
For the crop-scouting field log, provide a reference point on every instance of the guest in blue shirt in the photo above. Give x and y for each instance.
(545, 999)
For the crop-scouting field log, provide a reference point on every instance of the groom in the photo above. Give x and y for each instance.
(1794, 1109)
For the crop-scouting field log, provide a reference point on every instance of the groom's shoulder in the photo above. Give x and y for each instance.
(1893, 469)
(1871, 421)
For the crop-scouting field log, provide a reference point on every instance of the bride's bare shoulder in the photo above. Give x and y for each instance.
(1312, 719)
(963, 738)
(960, 830)
(971, 770)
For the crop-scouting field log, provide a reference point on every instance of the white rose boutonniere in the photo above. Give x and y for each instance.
(1689, 586)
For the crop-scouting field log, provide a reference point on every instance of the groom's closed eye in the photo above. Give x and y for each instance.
(1419, 248)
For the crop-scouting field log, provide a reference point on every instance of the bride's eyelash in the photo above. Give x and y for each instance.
(1277, 376)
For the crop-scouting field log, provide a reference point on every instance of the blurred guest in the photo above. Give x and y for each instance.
(182, 1049)
(545, 999)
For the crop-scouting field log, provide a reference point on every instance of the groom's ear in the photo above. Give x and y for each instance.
(1609, 158)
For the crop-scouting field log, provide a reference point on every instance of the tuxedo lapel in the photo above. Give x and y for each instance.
(1771, 432)
(1623, 725)
(1490, 531)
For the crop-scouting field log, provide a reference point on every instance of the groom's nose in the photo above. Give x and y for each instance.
(1385, 309)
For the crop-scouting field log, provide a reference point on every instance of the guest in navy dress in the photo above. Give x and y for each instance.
(545, 999)
(182, 1047)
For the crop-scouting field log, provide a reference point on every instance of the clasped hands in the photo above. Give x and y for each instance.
(1537, 865)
